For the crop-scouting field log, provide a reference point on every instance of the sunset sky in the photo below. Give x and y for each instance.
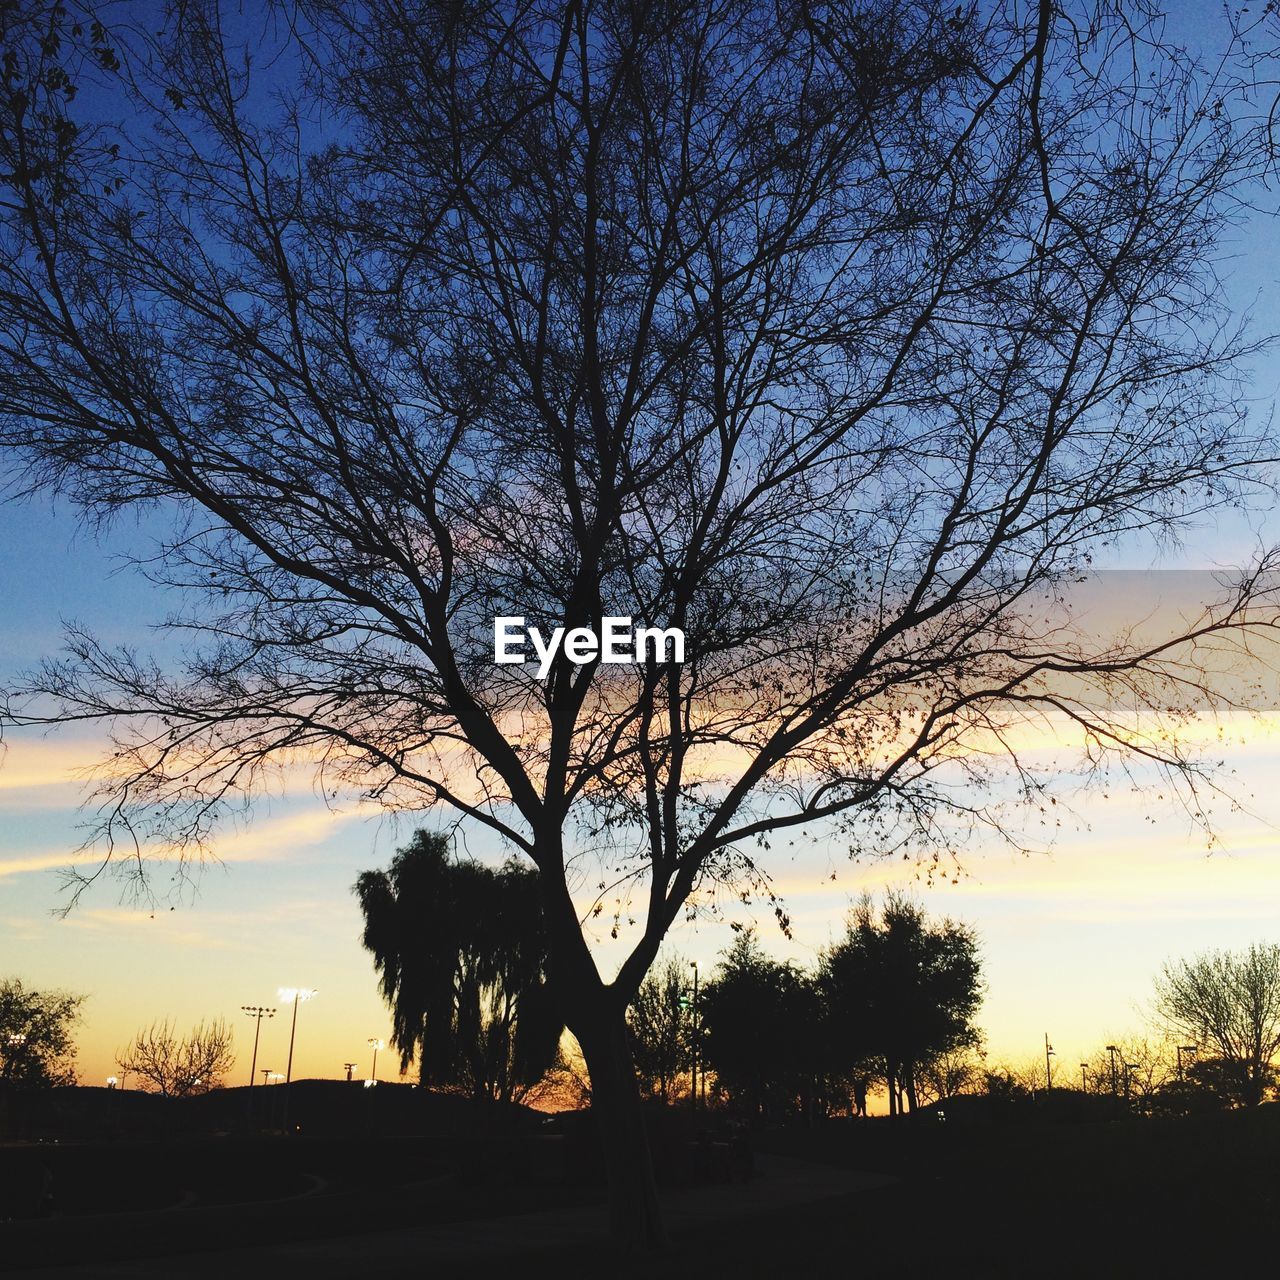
(1071, 939)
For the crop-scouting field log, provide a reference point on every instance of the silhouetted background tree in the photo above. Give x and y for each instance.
(761, 1033)
(461, 954)
(661, 1023)
(36, 1045)
(1228, 1001)
(900, 991)
(951, 1073)
(839, 335)
(164, 1062)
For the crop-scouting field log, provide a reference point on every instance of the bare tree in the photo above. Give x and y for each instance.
(566, 1086)
(1229, 1001)
(177, 1066)
(837, 335)
(1144, 1065)
(951, 1073)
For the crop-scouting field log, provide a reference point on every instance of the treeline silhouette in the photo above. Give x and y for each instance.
(889, 1004)
(887, 1009)
(466, 978)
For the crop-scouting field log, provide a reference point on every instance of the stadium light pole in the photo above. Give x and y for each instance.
(375, 1044)
(294, 996)
(257, 1012)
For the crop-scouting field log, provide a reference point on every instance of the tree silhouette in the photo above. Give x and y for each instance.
(461, 952)
(760, 1019)
(35, 1035)
(1230, 1002)
(661, 1022)
(902, 990)
(837, 335)
(177, 1066)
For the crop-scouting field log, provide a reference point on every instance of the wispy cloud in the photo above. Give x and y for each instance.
(266, 840)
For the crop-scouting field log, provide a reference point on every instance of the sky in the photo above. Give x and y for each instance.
(1070, 940)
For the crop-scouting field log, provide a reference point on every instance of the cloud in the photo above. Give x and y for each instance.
(46, 774)
(265, 840)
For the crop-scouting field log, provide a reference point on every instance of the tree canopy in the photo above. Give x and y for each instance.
(461, 955)
(36, 1045)
(661, 1022)
(900, 989)
(1230, 1002)
(761, 1023)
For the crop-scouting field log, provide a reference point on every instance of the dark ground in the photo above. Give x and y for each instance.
(1017, 1195)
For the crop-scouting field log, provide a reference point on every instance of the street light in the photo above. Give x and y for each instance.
(375, 1044)
(112, 1082)
(349, 1067)
(1048, 1066)
(693, 1073)
(1084, 1080)
(1185, 1048)
(257, 1012)
(1113, 1050)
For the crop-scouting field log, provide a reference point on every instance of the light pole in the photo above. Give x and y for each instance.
(1048, 1066)
(1112, 1050)
(267, 1073)
(1084, 1080)
(1188, 1049)
(257, 1012)
(693, 1074)
(15, 1041)
(294, 996)
(349, 1067)
(375, 1044)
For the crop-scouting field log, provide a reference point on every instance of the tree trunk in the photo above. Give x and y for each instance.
(635, 1217)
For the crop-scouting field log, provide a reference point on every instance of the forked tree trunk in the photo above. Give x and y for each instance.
(635, 1217)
